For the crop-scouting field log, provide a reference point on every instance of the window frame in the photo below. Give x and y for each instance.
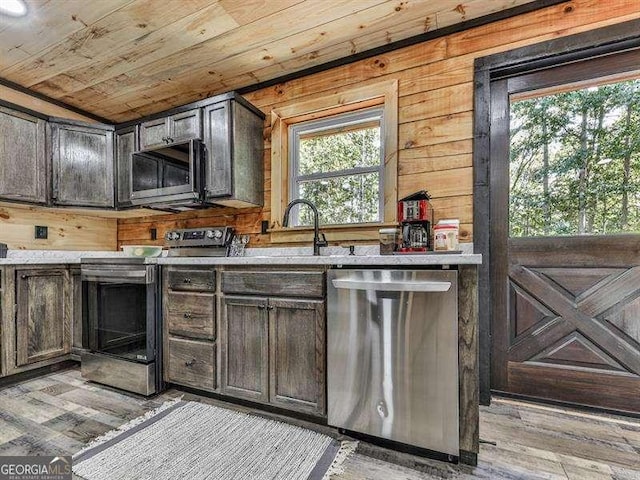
(319, 105)
(352, 118)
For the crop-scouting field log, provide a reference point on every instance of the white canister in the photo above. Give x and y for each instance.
(445, 235)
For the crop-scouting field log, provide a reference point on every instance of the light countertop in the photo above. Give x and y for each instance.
(355, 260)
(365, 255)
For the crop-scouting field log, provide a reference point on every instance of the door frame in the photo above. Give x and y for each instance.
(489, 108)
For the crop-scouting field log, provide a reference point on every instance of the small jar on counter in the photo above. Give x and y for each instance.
(445, 235)
(388, 240)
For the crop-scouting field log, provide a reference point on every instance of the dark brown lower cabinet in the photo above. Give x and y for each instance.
(189, 327)
(244, 348)
(192, 363)
(43, 329)
(297, 354)
(273, 351)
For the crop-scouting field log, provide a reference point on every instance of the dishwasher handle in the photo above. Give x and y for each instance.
(391, 286)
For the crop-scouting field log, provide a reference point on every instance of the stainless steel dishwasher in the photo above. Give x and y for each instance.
(393, 355)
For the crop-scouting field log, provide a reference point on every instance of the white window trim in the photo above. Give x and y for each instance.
(333, 122)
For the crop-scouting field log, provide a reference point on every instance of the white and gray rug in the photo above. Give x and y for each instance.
(195, 441)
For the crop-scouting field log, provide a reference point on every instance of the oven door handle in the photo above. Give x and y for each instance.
(107, 276)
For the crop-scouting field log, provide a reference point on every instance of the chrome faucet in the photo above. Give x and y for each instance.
(317, 243)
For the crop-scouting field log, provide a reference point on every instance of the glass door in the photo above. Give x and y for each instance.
(120, 320)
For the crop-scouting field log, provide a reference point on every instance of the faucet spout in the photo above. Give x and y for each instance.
(317, 243)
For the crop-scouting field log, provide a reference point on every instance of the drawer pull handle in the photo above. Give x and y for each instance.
(270, 307)
(187, 314)
(187, 280)
(190, 363)
(262, 307)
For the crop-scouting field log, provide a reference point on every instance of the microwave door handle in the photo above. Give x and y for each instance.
(390, 286)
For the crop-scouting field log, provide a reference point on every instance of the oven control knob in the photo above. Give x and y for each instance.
(214, 233)
(172, 236)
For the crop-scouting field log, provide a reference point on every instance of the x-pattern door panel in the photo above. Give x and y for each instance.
(574, 331)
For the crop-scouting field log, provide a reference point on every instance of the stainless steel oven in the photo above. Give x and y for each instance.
(121, 324)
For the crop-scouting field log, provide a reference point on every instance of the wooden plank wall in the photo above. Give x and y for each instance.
(435, 118)
(67, 231)
(19, 98)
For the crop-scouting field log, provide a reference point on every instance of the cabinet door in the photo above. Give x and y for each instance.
(217, 140)
(83, 166)
(244, 348)
(43, 327)
(23, 166)
(185, 126)
(154, 133)
(125, 146)
(297, 354)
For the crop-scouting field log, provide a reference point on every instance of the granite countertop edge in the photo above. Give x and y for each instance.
(356, 260)
(365, 255)
(361, 260)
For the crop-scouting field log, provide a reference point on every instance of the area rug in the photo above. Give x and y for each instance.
(195, 441)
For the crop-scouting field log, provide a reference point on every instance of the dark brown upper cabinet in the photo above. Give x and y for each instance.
(233, 139)
(179, 127)
(125, 140)
(82, 165)
(23, 165)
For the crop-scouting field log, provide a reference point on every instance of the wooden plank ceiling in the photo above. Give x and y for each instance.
(123, 59)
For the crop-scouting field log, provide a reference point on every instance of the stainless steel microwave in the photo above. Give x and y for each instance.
(169, 175)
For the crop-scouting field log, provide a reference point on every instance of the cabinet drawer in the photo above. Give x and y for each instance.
(192, 363)
(191, 314)
(274, 283)
(194, 280)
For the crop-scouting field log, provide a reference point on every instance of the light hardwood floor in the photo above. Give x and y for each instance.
(59, 413)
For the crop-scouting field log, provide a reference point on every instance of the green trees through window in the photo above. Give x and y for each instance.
(575, 162)
(337, 165)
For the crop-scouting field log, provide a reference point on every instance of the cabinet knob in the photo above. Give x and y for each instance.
(190, 363)
(262, 307)
(187, 314)
(187, 280)
(270, 307)
(24, 277)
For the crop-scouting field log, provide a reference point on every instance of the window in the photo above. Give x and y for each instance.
(337, 164)
(329, 124)
(575, 161)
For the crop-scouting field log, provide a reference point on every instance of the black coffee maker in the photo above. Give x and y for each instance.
(415, 215)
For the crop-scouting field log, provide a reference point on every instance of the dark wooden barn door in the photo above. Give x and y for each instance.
(574, 320)
(566, 304)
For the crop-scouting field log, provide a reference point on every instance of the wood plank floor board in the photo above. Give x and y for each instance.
(77, 427)
(83, 410)
(59, 413)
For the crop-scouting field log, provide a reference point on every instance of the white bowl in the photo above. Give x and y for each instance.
(141, 250)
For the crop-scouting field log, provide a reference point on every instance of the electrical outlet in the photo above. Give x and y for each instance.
(42, 232)
(264, 226)
(154, 233)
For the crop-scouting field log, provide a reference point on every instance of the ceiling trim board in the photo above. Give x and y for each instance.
(407, 42)
(59, 103)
